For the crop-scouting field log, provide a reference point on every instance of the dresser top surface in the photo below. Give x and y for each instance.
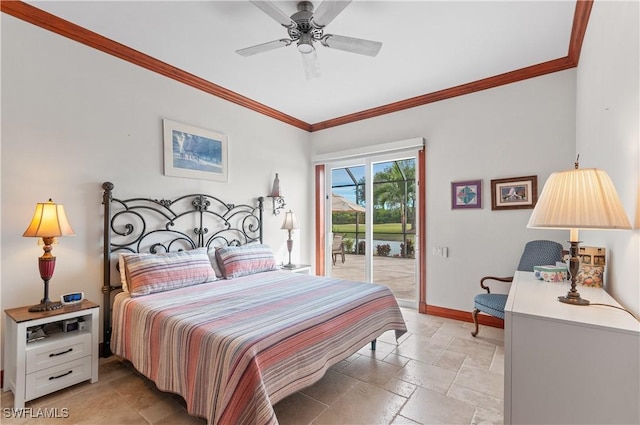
(532, 297)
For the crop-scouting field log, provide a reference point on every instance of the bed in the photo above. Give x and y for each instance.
(205, 312)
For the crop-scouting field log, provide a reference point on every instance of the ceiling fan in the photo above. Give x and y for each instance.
(305, 27)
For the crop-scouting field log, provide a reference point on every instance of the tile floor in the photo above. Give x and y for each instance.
(437, 374)
(399, 274)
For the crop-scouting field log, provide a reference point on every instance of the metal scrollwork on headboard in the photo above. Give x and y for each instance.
(145, 225)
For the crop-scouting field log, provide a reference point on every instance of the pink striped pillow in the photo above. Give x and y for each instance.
(148, 274)
(236, 261)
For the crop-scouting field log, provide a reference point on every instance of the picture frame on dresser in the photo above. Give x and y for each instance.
(514, 193)
(194, 152)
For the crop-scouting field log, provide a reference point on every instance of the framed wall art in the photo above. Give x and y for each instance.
(194, 152)
(466, 194)
(514, 193)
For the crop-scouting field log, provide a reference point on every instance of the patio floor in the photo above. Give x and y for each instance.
(395, 272)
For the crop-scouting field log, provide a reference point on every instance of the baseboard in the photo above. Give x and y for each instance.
(464, 316)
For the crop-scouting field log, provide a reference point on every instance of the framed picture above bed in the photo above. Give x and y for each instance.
(194, 152)
(466, 194)
(514, 193)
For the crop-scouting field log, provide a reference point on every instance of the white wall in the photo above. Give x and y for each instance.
(73, 117)
(521, 129)
(608, 135)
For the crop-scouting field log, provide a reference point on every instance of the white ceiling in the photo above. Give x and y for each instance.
(427, 46)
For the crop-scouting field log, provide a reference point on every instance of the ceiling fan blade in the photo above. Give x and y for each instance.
(311, 65)
(264, 47)
(353, 45)
(327, 11)
(272, 10)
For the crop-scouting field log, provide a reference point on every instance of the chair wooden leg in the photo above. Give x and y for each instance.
(475, 321)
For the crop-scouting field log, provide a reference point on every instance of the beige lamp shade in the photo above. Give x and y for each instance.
(49, 220)
(290, 222)
(579, 199)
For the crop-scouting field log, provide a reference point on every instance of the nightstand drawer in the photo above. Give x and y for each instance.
(48, 353)
(57, 377)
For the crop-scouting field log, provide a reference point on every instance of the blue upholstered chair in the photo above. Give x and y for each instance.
(536, 253)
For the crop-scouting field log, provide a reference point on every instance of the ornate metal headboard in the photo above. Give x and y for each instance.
(145, 225)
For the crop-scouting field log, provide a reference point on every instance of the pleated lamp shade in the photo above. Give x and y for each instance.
(579, 199)
(49, 220)
(290, 221)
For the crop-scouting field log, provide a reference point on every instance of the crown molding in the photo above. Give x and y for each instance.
(45, 20)
(578, 30)
(475, 86)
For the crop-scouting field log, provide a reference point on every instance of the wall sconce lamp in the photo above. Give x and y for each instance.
(49, 221)
(276, 197)
(578, 199)
(289, 224)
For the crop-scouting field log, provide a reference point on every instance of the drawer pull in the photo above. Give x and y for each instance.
(51, 378)
(61, 353)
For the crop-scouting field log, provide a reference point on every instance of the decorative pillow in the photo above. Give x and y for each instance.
(124, 279)
(214, 261)
(236, 261)
(147, 274)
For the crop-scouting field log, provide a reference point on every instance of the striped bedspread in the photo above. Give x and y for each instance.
(233, 348)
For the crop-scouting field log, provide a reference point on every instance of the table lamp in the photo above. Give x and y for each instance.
(49, 221)
(578, 199)
(290, 223)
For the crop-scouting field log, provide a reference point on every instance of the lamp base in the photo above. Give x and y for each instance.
(568, 299)
(46, 306)
(573, 296)
(289, 266)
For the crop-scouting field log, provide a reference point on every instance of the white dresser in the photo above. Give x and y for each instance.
(567, 364)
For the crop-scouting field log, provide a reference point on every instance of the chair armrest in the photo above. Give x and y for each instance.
(499, 279)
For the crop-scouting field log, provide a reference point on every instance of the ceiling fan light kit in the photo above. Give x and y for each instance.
(305, 44)
(305, 28)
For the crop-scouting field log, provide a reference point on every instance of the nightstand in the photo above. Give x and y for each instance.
(298, 268)
(33, 369)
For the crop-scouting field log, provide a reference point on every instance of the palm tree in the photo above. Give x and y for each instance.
(394, 188)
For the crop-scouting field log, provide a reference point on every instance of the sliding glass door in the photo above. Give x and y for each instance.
(372, 215)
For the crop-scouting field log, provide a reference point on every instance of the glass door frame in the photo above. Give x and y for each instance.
(368, 162)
